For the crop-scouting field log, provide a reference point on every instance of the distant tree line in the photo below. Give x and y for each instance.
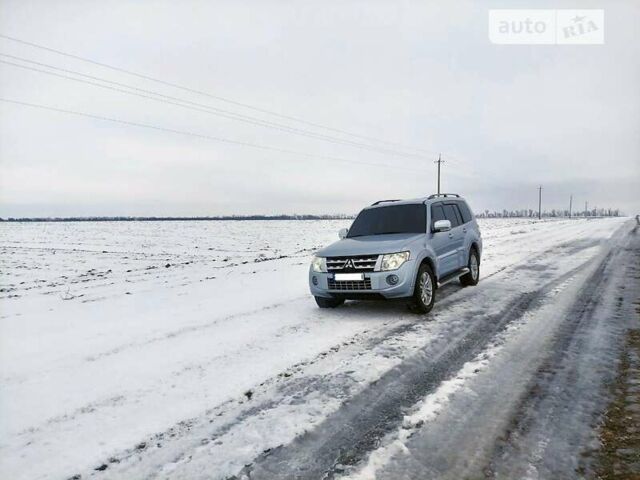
(530, 213)
(524, 213)
(174, 219)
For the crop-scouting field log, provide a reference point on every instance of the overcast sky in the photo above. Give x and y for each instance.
(421, 74)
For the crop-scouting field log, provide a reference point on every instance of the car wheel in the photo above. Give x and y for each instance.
(324, 302)
(424, 294)
(470, 279)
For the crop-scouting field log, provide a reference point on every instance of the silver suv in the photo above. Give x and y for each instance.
(400, 249)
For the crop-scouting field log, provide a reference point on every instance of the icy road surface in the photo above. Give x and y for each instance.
(192, 350)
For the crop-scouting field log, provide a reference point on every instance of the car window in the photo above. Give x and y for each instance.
(437, 213)
(456, 207)
(452, 214)
(409, 218)
(466, 213)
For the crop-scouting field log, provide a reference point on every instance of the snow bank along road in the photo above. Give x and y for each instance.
(192, 350)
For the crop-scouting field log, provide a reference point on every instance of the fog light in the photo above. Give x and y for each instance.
(314, 280)
(392, 279)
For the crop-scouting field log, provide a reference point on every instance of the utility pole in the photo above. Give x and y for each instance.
(570, 204)
(439, 162)
(539, 202)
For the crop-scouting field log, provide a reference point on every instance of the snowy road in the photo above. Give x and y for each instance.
(158, 360)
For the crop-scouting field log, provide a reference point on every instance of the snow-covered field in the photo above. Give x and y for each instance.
(193, 350)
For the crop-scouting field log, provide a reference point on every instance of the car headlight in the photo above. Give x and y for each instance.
(393, 261)
(319, 264)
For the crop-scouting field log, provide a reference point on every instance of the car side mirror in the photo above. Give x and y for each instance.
(442, 226)
(343, 233)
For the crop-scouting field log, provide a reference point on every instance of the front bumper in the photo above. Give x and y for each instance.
(379, 285)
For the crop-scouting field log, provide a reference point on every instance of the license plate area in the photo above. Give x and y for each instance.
(348, 277)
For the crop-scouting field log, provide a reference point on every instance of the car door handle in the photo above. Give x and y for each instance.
(464, 229)
(451, 235)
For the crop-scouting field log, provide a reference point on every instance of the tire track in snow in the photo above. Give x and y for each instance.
(555, 400)
(476, 436)
(345, 437)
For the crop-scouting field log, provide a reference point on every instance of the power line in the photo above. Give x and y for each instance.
(203, 93)
(203, 136)
(196, 106)
(217, 97)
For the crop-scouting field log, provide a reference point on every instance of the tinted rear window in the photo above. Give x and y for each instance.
(452, 214)
(392, 219)
(464, 210)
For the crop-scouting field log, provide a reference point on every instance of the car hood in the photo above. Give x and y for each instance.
(370, 245)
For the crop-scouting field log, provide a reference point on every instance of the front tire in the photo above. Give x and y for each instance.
(424, 293)
(471, 279)
(324, 302)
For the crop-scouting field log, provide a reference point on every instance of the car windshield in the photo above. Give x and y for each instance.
(387, 220)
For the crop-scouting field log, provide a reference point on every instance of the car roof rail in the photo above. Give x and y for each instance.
(383, 201)
(437, 195)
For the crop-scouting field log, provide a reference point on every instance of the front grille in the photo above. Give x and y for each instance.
(350, 285)
(363, 263)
